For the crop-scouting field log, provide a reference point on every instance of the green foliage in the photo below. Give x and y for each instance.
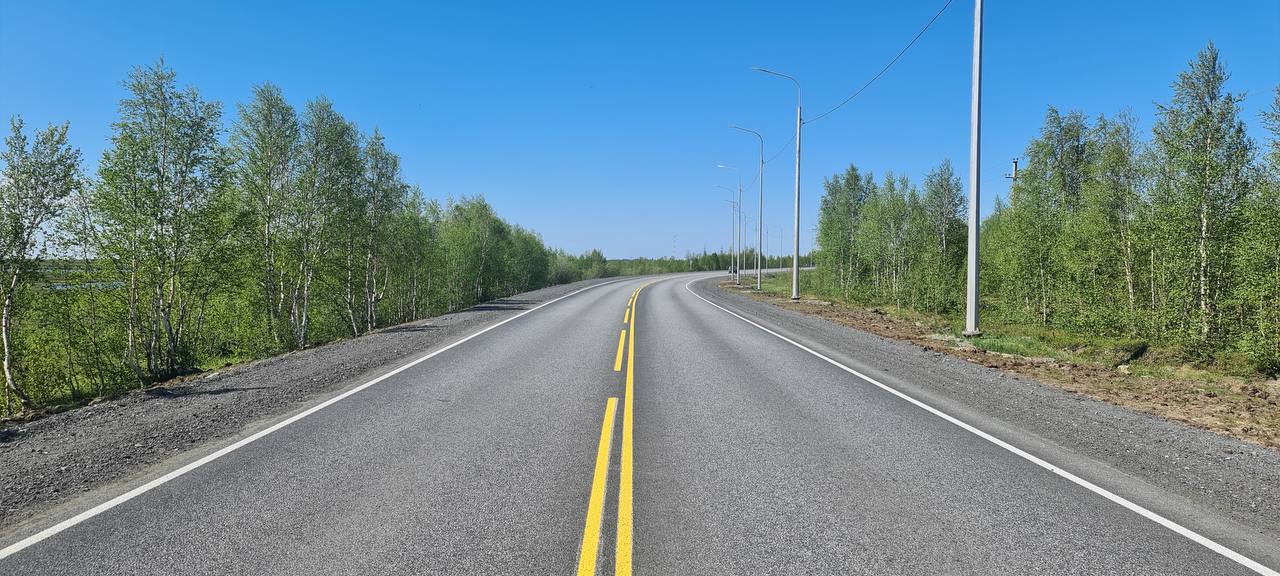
(189, 251)
(34, 185)
(1175, 241)
(886, 243)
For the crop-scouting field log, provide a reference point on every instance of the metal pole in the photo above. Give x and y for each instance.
(737, 256)
(740, 224)
(795, 258)
(733, 228)
(760, 221)
(795, 262)
(975, 138)
(733, 224)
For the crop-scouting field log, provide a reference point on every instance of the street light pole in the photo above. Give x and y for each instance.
(795, 259)
(735, 243)
(733, 224)
(760, 221)
(738, 278)
(737, 274)
(975, 139)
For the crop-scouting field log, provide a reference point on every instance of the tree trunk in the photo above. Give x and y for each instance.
(1203, 245)
(351, 297)
(269, 272)
(1128, 278)
(6, 317)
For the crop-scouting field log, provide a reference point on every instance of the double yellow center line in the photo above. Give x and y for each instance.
(590, 548)
(622, 548)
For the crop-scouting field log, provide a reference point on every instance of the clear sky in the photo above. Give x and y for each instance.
(600, 124)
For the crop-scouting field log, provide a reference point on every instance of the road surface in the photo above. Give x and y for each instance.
(590, 436)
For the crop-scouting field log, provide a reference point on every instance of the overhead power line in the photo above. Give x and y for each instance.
(882, 70)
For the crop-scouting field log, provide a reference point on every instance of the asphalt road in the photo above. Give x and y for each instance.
(726, 450)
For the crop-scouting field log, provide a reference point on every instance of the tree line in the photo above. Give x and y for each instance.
(1173, 239)
(196, 244)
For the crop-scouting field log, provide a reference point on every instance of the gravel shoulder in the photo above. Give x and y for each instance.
(1197, 473)
(70, 460)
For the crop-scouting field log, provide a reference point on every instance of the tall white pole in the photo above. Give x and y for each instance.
(760, 221)
(795, 258)
(733, 226)
(760, 231)
(975, 139)
(738, 279)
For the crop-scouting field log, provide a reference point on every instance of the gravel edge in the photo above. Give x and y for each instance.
(1233, 478)
(69, 459)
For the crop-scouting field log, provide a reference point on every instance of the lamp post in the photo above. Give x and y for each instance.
(795, 260)
(737, 276)
(734, 248)
(733, 221)
(760, 220)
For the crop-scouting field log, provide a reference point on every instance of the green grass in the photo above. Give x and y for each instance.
(1008, 336)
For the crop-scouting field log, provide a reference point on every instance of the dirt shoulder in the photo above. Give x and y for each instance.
(55, 459)
(1248, 410)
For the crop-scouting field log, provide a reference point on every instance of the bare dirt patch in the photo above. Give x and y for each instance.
(1246, 409)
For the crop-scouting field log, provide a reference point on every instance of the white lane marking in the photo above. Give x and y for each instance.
(1145, 513)
(134, 493)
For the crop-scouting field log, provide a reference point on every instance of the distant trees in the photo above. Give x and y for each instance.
(886, 242)
(1176, 240)
(944, 212)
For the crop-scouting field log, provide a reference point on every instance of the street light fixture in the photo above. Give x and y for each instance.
(760, 222)
(795, 260)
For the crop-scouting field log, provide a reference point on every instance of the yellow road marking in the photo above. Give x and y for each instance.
(626, 318)
(595, 506)
(617, 360)
(622, 548)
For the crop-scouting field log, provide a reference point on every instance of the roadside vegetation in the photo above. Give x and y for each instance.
(203, 240)
(1154, 263)
(1106, 240)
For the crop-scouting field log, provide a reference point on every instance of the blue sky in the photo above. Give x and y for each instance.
(599, 124)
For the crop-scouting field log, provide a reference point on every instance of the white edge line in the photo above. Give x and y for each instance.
(1133, 507)
(134, 493)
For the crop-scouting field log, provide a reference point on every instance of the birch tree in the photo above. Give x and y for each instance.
(36, 180)
(1205, 154)
(268, 137)
(330, 171)
(161, 216)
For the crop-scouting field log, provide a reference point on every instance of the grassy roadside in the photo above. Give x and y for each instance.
(1122, 372)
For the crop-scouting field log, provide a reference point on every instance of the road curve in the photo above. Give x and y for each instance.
(632, 427)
